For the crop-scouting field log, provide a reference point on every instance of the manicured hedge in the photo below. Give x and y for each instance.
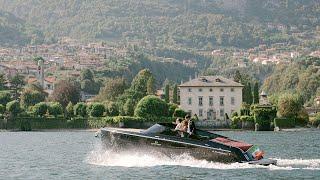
(100, 122)
(247, 118)
(32, 123)
(125, 119)
(28, 123)
(284, 122)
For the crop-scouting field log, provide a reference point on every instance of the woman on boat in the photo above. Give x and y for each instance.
(178, 124)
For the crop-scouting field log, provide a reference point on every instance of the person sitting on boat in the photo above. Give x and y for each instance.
(178, 124)
(184, 128)
(191, 127)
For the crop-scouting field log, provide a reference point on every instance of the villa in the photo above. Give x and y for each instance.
(211, 97)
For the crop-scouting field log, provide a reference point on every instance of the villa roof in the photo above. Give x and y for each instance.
(211, 81)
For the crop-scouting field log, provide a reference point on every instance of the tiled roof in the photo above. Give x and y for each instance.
(211, 81)
(50, 79)
(32, 80)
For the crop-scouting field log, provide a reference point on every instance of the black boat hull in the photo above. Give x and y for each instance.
(120, 140)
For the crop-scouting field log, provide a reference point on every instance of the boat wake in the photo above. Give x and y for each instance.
(102, 157)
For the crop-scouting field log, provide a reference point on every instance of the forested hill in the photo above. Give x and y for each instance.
(14, 31)
(183, 23)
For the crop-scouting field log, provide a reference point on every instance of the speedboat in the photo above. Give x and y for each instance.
(162, 137)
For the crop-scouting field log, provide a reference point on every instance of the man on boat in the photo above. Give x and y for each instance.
(191, 126)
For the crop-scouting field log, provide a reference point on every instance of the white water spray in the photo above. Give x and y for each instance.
(128, 158)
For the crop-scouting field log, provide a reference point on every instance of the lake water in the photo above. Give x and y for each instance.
(78, 155)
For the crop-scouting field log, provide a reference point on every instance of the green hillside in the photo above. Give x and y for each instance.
(185, 23)
(15, 31)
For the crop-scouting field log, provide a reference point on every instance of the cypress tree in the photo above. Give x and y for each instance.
(166, 93)
(256, 93)
(175, 94)
(237, 76)
(249, 92)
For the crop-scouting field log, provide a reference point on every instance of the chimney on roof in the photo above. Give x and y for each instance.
(190, 78)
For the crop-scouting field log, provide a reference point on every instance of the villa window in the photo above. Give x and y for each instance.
(189, 100)
(221, 101)
(221, 112)
(221, 89)
(200, 112)
(232, 101)
(189, 89)
(232, 89)
(200, 90)
(210, 101)
(210, 90)
(200, 101)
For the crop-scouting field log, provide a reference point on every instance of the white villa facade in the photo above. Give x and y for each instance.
(211, 97)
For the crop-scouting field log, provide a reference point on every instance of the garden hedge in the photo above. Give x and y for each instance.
(284, 122)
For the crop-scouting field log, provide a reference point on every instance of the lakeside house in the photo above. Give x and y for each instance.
(211, 97)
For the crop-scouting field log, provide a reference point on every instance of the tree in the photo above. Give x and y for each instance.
(151, 106)
(66, 91)
(150, 86)
(179, 113)
(138, 89)
(80, 109)
(55, 109)
(37, 59)
(13, 107)
(128, 107)
(89, 86)
(112, 109)
(175, 94)
(2, 82)
(289, 105)
(86, 74)
(167, 93)
(112, 90)
(247, 93)
(139, 83)
(5, 97)
(97, 110)
(237, 76)
(256, 93)
(88, 83)
(17, 82)
(172, 108)
(40, 109)
(31, 97)
(69, 110)
(2, 109)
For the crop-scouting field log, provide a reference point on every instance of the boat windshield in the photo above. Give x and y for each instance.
(155, 129)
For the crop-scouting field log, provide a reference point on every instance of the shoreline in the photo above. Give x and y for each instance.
(206, 129)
